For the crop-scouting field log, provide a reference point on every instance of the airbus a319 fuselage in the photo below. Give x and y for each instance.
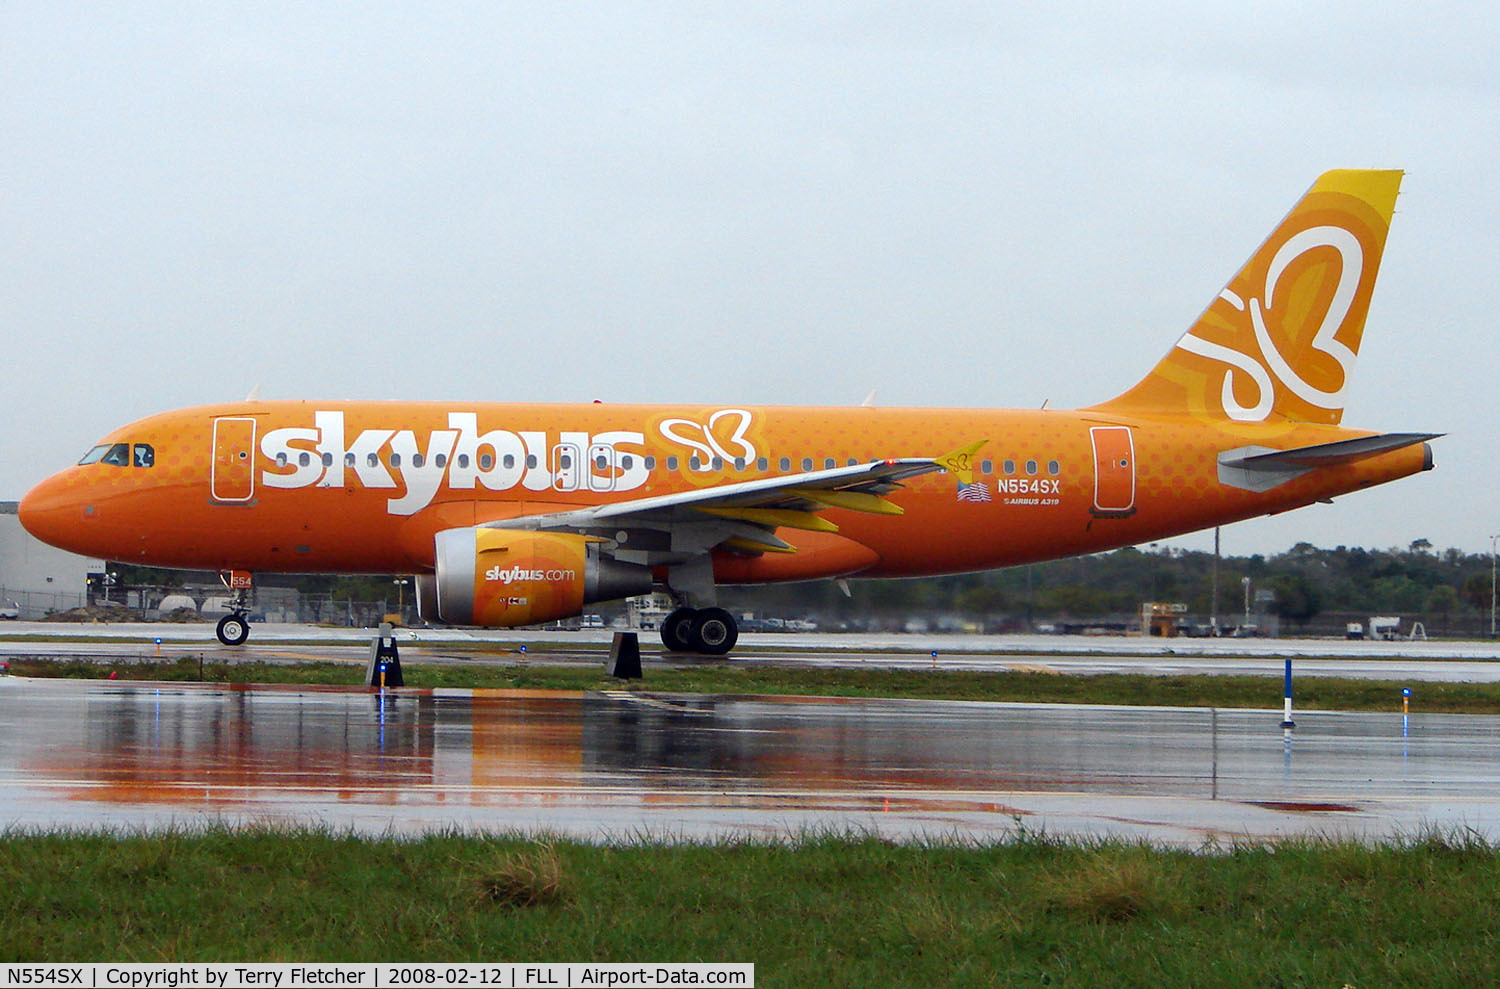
(515, 514)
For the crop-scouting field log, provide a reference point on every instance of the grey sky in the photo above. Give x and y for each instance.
(955, 204)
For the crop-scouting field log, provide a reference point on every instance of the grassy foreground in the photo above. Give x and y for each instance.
(1312, 693)
(826, 910)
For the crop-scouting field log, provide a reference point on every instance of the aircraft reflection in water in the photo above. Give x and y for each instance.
(235, 748)
(246, 745)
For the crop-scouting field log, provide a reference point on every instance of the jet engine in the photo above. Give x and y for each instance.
(504, 577)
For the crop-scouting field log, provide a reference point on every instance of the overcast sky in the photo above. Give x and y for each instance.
(953, 204)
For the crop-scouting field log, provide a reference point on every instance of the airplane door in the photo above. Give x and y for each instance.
(233, 473)
(1114, 470)
(601, 467)
(565, 466)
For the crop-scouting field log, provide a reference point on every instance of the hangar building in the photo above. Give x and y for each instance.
(36, 576)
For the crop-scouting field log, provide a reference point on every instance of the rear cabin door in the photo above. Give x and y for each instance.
(233, 477)
(1114, 470)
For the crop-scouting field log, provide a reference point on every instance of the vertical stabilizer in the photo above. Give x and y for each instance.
(1281, 339)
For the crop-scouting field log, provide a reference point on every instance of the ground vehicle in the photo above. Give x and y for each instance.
(10, 610)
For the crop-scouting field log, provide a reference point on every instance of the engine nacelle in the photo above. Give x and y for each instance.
(504, 577)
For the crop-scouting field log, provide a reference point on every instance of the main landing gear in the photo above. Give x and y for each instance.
(709, 630)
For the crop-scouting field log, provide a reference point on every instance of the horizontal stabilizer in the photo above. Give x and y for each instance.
(1260, 468)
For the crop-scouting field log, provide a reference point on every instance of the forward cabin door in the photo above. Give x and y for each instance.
(1114, 470)
(233, 475)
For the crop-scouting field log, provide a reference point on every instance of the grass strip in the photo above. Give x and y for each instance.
(1199, 690)
(834, 910)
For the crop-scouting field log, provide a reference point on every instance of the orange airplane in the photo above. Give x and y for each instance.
(517, 514)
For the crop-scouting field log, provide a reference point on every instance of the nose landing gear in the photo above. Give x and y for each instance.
(234, 628)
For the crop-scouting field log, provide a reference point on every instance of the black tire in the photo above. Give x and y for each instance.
(233, 630)
(713, 632)
(674, 631)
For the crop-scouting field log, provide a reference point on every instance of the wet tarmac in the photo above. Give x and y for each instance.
(87, 754)
(824, 646)
(1449, 661)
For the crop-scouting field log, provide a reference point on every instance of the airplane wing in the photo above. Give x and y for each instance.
(746, 514)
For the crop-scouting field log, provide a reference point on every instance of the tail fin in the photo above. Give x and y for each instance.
(1281, 339)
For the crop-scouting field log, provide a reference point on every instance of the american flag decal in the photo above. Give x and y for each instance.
(973, 492)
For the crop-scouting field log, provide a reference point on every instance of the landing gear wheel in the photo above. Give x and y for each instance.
(233, 630)
(713, 631)
(674, 631)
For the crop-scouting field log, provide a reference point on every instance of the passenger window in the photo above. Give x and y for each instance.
(762, 465)
(463, 460)
(564, 462)
(807, 463)
(829, 463)
(718, 463)
(304, 459)
(986, 467)
(672, 462)
(1031, 467)
(739, 463)
(281, 460)
(348, 460)
(531, 461)
(372, 461)
(1010, 467)
(395, 460)
(327, 460)
(786, 463)
(117, 455)
(651, 463)
(145, 456)
(441, 460)
(1054, 468)
(418, 460)
(694, 462)
(626, 461)
(852, 463)
(601, 462)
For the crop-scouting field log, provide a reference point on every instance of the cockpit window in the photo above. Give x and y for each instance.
(119, 455)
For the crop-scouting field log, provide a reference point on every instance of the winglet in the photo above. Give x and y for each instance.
(960, 462)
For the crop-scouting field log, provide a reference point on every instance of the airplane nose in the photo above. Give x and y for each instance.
(51, 512)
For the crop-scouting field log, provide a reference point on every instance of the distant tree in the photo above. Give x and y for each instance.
(983, 601)
(1441, 600)
(1477, 591)
(1397, 592)
(1297, 598)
